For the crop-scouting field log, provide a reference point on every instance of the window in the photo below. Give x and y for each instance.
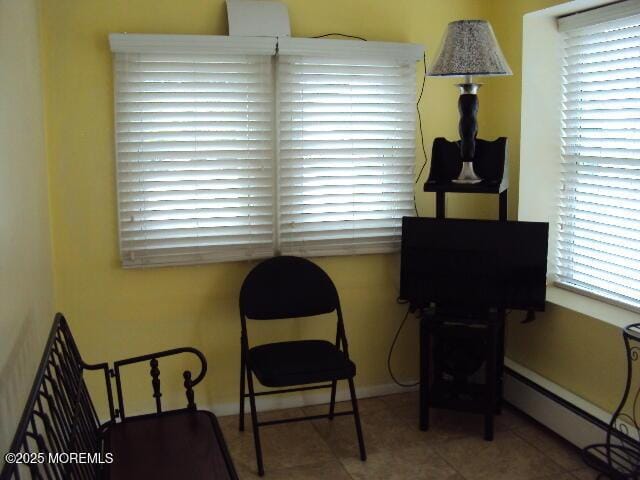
(226, 151)
(598, 249)
(347, 151)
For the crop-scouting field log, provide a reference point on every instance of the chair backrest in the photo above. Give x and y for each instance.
(287, 287)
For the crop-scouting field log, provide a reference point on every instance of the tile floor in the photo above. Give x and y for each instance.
(453, 449)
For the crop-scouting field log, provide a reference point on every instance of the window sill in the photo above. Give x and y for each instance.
(616, 316)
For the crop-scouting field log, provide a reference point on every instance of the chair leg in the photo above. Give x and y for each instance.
(254, 421)
(242, 382)
(332, 404)
(356, 416)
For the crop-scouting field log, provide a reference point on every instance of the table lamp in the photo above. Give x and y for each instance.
(469, 48)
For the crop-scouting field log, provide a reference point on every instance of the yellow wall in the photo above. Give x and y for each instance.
(580, 353)
(117, 313)
(26, 290)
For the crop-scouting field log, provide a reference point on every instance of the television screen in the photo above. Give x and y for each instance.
(474, 264)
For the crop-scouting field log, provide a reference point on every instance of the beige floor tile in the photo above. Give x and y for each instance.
(322, 471)
(445, 425)
(552, 446)
(452, 449)
(382, 429)
(408, 399)
(417, 463)
(562, 476)
(405, 406)
(511, 419)
(508, 457)
(451, 424)
(365, 405)
(283, 446)
(585, 474)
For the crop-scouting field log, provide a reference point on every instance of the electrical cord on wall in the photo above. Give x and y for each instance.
(424, 150)
(393, 344)
(340, 35)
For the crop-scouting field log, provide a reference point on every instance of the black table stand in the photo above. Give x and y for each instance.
(481, 331)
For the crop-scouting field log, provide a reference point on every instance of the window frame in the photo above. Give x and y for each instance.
(540, 147)
(579, 25)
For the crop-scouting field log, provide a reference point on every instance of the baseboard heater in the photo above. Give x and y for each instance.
(571, 417)
(571, 422)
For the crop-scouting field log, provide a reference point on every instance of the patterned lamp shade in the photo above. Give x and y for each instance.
(469, 47)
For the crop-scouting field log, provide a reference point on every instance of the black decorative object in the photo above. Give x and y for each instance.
(468, 126)
(619, 457)
(469, 48)
(490, 163)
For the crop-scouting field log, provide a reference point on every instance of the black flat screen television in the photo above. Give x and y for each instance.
(474, 264)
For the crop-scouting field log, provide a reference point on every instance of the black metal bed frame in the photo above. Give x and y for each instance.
(59, 416)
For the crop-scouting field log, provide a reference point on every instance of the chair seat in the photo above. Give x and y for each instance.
(176, 444)
(299, 362)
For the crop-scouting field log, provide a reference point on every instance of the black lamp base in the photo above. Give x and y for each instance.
(468, 130)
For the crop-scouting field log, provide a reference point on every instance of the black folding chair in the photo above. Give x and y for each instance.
(290, 287)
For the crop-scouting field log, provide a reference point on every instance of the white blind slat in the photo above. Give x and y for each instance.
(347, 152)
(194, 149)
(598, 249)
(200, 178)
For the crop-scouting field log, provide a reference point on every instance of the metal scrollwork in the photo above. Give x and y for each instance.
(619, 456)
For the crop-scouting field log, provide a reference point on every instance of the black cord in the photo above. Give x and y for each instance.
(393, 344)
(340, 35)
(424, 150)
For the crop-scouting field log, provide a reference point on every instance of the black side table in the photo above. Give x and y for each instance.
(454, 346)
(619, 457)
(479, 335)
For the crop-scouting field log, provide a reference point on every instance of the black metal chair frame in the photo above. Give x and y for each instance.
(246, 373)
(60, 417)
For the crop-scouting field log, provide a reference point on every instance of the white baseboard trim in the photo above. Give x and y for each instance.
(572, 417)
(308, 398)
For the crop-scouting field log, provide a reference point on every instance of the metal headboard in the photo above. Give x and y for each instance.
(59, 416)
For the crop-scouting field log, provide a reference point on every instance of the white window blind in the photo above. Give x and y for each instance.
(347, 148)
(219, 159)
(598, 250)
(194, 141)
